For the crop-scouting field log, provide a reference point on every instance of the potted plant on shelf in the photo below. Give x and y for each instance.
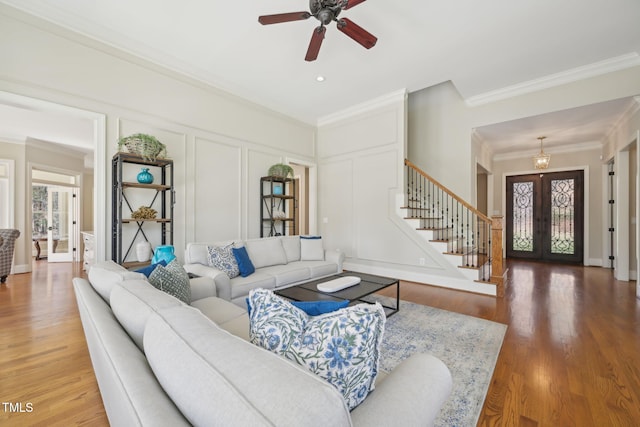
(281, 170)
(143, 145)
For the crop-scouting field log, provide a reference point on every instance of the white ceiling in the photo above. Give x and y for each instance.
(564, 130)
(481, 47)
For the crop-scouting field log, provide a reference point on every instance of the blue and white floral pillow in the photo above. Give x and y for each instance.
(222, 258)
(343, 346)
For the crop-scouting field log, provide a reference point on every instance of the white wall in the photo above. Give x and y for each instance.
(439, 137)
(221, 144)
(360, 159)
(361, 179)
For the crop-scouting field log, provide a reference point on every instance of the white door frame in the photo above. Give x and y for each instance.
(7, 193)
(99, 120)
(77, 210)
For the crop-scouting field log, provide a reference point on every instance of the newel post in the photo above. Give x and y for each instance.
(497, 267)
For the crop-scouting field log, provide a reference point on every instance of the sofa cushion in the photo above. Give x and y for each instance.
(287, 274)
(291, 245)
(343, 346)
(133, 301)
(172, 279)
(131, 393)
(238, 326)
(311, 248)
(240, 286)
(218, 310)
(105, 274)
(319, 268)
(203, 287)
(266, 251)
(223, 380)
(222, 258)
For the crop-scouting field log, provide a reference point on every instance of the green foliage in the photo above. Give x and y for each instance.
(281, 170)
(144, 145)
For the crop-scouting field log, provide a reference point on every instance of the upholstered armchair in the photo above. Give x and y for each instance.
(7, 243)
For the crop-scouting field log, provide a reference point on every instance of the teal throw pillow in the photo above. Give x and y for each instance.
(222, 258)
(172, 279)
(342, 347)
(316, 308)
(244, 262)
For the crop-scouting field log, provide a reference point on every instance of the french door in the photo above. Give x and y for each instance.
(544, 218)
(62, 230)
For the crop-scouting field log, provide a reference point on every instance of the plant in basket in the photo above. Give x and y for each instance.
(143, 145)
(281, 170)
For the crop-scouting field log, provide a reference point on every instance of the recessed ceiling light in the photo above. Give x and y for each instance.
(320, 78)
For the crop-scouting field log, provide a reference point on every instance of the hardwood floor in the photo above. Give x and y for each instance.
(571, 354)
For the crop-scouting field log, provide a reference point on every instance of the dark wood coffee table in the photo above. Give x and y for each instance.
(368, 285)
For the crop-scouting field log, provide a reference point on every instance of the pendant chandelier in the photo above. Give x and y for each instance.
(541, 160)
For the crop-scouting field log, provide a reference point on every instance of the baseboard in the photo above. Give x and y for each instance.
(21, 268)
(595, 262)
(419, 277)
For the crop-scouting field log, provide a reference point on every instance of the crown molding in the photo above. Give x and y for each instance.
(575, 74)
(374, 104)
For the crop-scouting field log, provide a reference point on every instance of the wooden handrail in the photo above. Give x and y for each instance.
(479, 214)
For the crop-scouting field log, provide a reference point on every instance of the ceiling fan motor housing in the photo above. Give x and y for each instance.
(325, 16)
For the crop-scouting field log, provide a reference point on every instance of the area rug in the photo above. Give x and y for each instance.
(467, 345)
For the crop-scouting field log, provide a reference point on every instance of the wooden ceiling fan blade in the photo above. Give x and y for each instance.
(315, 43)
(352, 3)
(283, 17)
(357, 33)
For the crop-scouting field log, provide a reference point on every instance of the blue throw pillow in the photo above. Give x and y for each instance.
(244, 262)
(315, 308)
(149, 269)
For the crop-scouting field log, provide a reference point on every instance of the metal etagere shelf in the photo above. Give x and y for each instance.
(277, 206)
(162, 199)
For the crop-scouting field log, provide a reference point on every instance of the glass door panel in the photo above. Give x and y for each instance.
(544, 218)
(60, 232)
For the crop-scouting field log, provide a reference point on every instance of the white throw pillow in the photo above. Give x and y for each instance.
(311, 248)
(291, 245)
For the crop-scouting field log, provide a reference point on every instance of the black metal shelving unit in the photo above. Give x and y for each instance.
(162, 199)
(277, 208)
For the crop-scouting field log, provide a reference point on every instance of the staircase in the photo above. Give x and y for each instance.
(468, 239)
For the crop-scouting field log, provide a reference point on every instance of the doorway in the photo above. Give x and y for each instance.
(544, 216)
(301, 175)
(55, 211)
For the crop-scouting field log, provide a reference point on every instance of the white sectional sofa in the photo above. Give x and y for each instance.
(160, 362)
(279, 261)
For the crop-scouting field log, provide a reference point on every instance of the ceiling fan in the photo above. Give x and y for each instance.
(325, 11)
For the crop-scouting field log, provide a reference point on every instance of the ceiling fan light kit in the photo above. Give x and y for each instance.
(325, 11)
